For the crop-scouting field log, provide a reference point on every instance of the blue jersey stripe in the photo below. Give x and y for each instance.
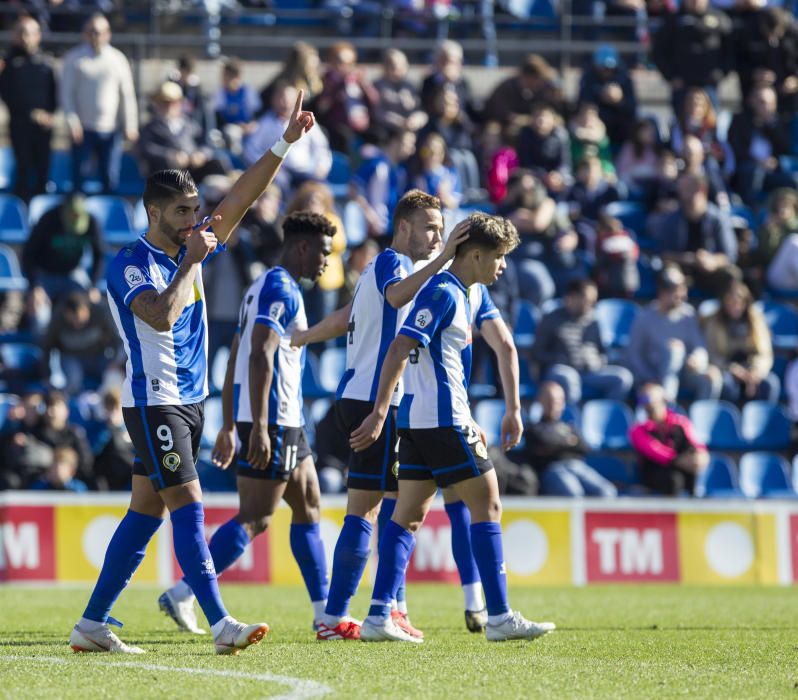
(138, 384)
(386, 338)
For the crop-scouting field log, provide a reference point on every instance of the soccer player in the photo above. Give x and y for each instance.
(262, 399)
(378, 308)
(440, 445)
(156, 297)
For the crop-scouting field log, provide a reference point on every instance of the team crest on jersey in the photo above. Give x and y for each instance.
(423, 318)
(276, 310)
(133, 276)
(171, 461)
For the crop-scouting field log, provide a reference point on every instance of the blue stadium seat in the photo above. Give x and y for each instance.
(131, 184)
(6, 402)
(524, 325)
(311, 386)
(8, 169)
(13, 220)
(783, 323)
(765, 475)
(60, 172)
(606, 424)
(766, 426)
(616, 470)
(718, 480)
(632, 214)
(10, 275)
(115, 218)
(332, 365)
(488, 414)
(717, 424)
(213, 421)
(339, 175)
(746, 214)
(41, 204)
(615, 318)
(140, 222)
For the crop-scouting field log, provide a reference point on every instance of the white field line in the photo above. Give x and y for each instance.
(300, 688)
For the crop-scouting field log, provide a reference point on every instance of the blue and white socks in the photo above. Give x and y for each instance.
(460, 518)
(396, 546)
(349, 561)
(308, 550)
(486, 540)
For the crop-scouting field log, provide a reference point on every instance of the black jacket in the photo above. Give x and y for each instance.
(550, 441)
(26, 83)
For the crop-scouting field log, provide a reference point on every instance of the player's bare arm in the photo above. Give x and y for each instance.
(328, 328)
(500, 340)
(161, 310)
(225, 445)
(260, 175)
(261, 368)
(393, 367)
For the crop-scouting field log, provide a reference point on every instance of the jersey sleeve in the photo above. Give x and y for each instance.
(487, 309)
(277, 305)
(388, 270)
(220, 247)
(128, 277)
(432, 305)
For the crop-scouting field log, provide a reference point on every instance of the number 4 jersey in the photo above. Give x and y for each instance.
(274, 300)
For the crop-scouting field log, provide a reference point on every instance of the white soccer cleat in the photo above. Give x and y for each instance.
(236, 636)
(517, 627)
(387, 631)
(99, 639)
(182, 612)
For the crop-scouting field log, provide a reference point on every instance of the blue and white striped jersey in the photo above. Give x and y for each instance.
(164, 368)
(275, 300)
(437, 374)
(373, 324)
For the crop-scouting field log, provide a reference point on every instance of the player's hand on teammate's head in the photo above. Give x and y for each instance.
(366, 433)
(512, 430)
(458, 235)
(300, 121)
(223, 449)
(201, 241)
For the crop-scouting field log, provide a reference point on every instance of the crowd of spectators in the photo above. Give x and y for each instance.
(714, 195)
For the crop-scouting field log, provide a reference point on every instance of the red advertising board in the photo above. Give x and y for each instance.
(252, 567)
(432, 558)
(27, 551)
(631, 547)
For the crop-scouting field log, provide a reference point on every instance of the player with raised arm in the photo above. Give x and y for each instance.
(380, 303)
(440, 444)
(262, 400)
(156, 297)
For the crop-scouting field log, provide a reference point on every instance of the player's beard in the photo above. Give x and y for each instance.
(172, 234)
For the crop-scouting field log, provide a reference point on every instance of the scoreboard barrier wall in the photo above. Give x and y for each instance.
(61, 538)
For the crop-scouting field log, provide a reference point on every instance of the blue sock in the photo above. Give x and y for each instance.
(122, 558)
(350, 558)
(227, 545)
(308, 550)
(195, 559)
(395, 548)
(486, 539)
(384, 517)
(460, 517)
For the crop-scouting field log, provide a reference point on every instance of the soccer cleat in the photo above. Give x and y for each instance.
(517, 627)
(387, 631)
(476, 620)
(99, 639)
(403, 623)
(182, 612)
(236, 636)
(344, 631)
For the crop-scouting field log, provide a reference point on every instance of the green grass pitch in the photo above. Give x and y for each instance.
(612, 642)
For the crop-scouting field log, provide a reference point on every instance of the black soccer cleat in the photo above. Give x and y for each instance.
(476, 620)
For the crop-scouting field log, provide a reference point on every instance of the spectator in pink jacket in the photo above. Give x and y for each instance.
(668, 451)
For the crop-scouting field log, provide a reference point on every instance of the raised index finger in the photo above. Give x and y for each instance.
(297, 105)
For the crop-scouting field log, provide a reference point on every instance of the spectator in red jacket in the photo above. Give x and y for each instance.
(668, 451)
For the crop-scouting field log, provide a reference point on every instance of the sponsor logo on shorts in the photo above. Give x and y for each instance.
(395, 469)
(171, 461)
(481, 450)
(133, 276)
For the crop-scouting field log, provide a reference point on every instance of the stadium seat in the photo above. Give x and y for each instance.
(115, 218)
(766, 426)
(717, 424)
(746, 214)
(765, 475)
(6, 402)
(41, 204)
(570, 414)
(606, 424)
(8, 169)
(332, 365)
(524, 324)
(339, 175)
(10, 275)
(140, 222)
(13, 220)
(631, 214)
(782, 320)
(60, 172)
(213, 421)
(615, 318)
(614, 469)
(718, 480)
(488, 414)
(131, 184)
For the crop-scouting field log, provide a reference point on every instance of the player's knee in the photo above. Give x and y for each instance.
(255, 524)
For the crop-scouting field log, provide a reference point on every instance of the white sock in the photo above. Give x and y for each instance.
(90, 625)
(499, 619)
(472, 592)
(219, 626)
(182, 592)
(318, 609)
(329, 620)
(401, 606)
(394, 605)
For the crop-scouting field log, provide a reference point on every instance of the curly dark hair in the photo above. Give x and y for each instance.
(306, 224)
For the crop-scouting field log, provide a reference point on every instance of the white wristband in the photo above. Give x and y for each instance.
(280, 149)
